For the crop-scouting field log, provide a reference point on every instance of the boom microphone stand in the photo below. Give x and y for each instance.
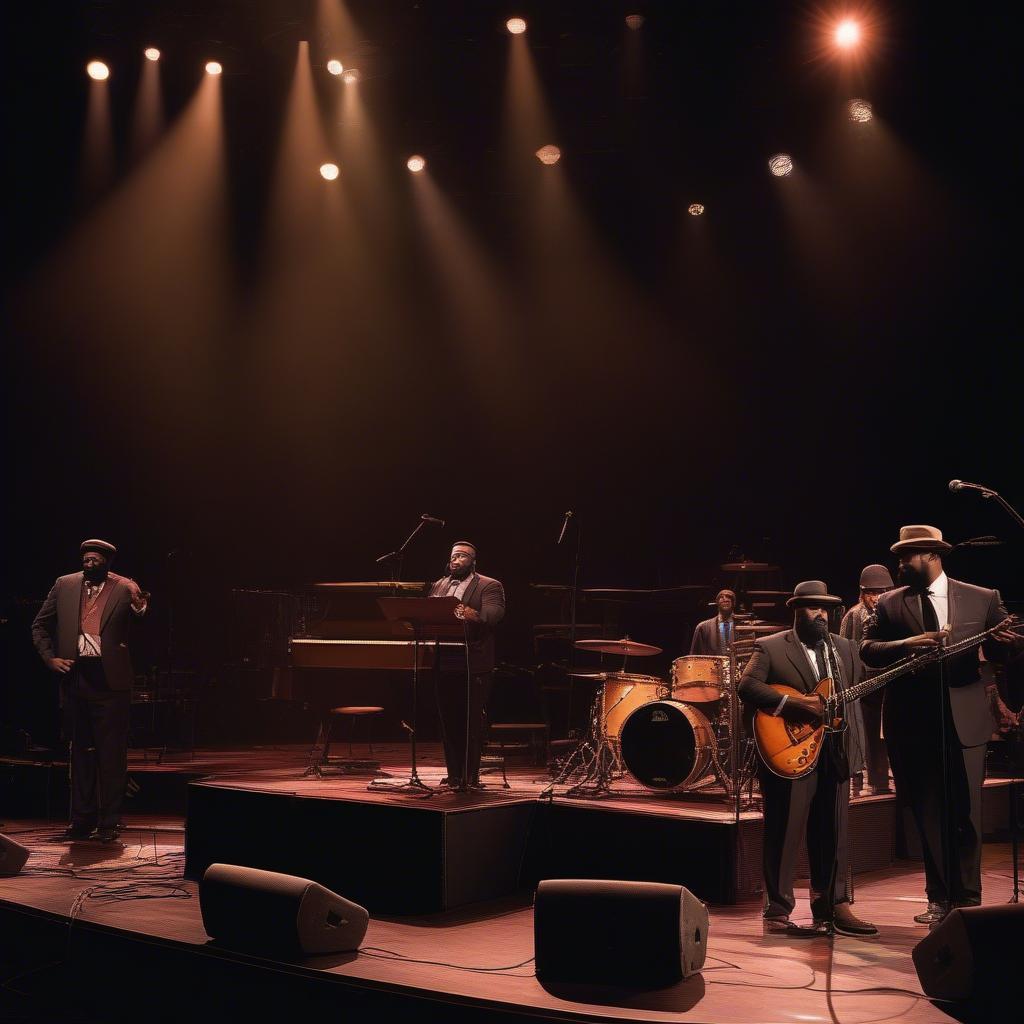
(986, 492)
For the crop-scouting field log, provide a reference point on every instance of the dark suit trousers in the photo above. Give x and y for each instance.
(451, 706)
(812, 809)
(97, 720)
(876, 760)
(915, 750)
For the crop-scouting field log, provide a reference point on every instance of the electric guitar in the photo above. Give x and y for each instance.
(791, 749)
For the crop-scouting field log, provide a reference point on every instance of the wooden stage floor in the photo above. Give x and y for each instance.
(475, 958)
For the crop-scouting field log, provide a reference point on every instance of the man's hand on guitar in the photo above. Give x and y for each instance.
(934, 638)
(809, 708)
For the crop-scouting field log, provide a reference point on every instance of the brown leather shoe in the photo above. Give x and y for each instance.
(845, 922)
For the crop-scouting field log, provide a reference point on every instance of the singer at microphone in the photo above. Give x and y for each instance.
(464, 674)
(939, 720)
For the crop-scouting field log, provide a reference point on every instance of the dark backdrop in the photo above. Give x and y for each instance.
(791, 377)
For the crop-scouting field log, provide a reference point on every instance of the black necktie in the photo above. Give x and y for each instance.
(928, 616)
(819, 657)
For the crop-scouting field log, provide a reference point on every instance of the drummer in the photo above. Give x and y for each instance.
(717, 634)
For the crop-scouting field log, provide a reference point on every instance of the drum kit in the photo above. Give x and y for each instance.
(680, 735)
(671, 736)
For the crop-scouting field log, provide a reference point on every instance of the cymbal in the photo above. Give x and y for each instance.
(626, 647)
(748, 567)
(586, 675)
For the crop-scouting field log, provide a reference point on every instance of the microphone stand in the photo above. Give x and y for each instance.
(1006, 506)
(394, 558)
(573, 595)
(987, 493)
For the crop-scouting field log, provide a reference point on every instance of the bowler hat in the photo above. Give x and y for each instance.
(875, 577)
(813, 592)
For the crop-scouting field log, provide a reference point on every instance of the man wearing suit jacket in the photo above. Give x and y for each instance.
(940, 715)
(813, 808)
(81, 633)
(716, 635)
(874, 581)
(481, 607)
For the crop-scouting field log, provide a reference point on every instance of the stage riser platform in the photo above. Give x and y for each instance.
(392, 859)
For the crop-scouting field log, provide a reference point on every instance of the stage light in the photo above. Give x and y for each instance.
(351, 76)
(213, 67)
(635, 22)
(860, 111)
(97, 70)
(549, 155)
(329, 171)
(781, 165)
(695, 209)
(517, 26)
(335, 67)
(151, 53)
(416, 164)
(847, 34)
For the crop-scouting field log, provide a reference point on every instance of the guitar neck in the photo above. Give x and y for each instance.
(913, 663)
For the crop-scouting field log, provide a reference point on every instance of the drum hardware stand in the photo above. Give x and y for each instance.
(595, 756)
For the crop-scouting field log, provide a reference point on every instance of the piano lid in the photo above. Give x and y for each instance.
(350, 611)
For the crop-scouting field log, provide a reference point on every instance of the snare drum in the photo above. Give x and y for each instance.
(667, 745)
(700, 678)
(623, 693)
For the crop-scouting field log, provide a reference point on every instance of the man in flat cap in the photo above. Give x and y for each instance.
(812, 809)
(81, 633)
(717, 634)
(874, 581)
(940, 716)
(481, 607)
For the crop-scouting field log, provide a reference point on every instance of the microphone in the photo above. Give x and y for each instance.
(960, 485)
(433, 520)
(565, 526)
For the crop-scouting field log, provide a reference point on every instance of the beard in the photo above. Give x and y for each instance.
(95, 573)
(916, 579)
(461, 572)
(811, 631)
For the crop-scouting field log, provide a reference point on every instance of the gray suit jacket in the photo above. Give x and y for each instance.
(897, 616)
(56, 625)
(706, 638)
(780, 658)
(487, 596)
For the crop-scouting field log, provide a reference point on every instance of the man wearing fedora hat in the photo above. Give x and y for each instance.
(874, 581)
(815, 807)
(938, 721)
(81, 633)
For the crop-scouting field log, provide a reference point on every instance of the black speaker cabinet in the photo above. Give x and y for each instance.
(628, 934)
(256, 910)
(973, 954)
(12, 856)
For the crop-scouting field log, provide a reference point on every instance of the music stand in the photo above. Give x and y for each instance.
(428, 619)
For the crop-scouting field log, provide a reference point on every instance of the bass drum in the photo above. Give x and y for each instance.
(667, 745)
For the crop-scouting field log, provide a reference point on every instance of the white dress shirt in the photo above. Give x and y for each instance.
(938, 593)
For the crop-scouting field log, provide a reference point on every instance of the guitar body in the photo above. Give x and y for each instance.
(791, 749)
